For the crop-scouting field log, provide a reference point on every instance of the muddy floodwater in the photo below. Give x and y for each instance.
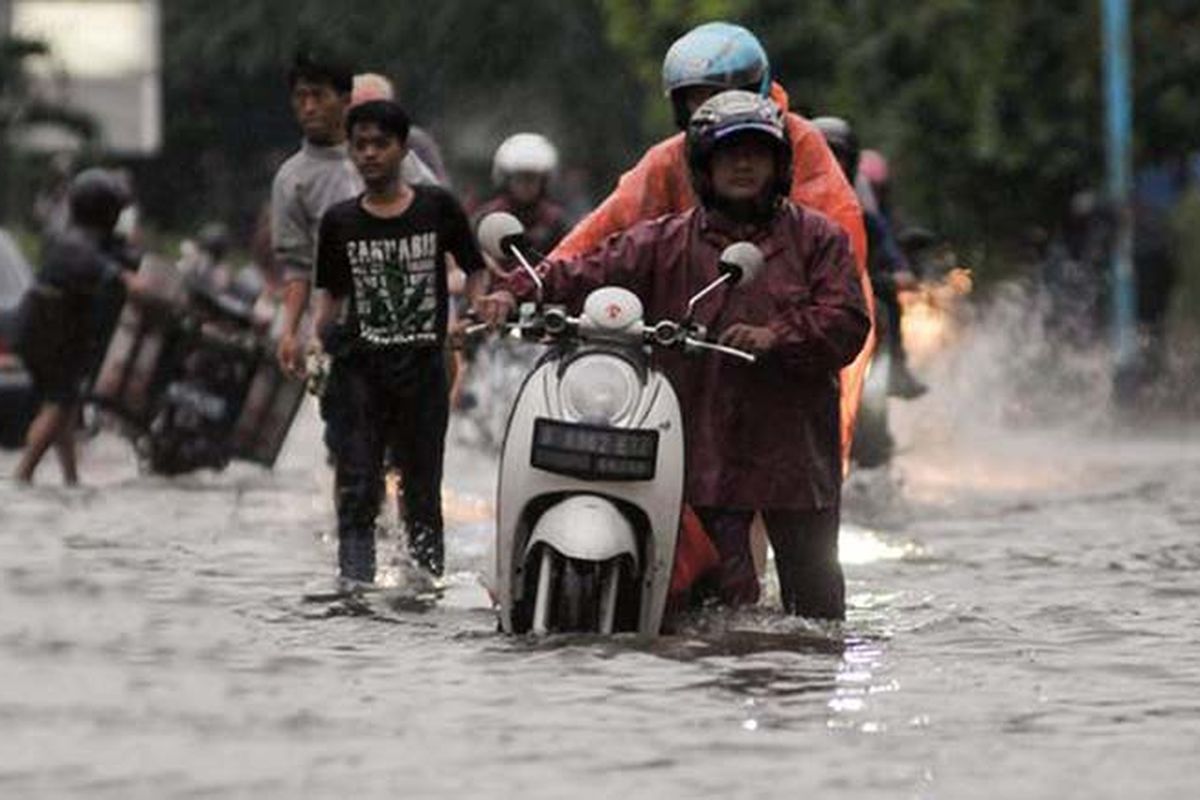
(1024, 622)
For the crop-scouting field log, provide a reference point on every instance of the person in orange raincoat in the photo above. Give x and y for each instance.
(709, 59)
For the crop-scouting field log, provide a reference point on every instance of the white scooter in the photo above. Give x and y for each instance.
(592, 467)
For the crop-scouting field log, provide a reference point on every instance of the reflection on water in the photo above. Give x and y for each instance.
(857, 545)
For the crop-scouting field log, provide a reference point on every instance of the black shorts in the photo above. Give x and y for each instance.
(52, 344)
(59, 384)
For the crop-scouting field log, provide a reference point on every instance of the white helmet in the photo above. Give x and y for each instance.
(524, 152)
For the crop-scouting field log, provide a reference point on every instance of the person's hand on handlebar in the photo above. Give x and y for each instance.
(495, 308)
(458, 332)
(291, 355)
(751, 338)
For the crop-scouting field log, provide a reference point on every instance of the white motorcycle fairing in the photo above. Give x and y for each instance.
(585, 526)
(649, 510)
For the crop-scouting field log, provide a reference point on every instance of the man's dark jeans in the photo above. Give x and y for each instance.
(395, 401)
(806, 558)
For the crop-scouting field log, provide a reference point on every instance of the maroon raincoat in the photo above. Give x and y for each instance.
(761, 435)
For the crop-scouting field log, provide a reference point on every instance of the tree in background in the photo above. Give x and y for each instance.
(990, 112)
(20, 110)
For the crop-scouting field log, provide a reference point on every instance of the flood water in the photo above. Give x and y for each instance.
(1023, 623)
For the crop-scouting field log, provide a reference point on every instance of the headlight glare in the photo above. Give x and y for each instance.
(599, 389)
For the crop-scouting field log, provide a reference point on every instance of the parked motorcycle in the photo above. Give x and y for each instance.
(592, 465)
(192, 378)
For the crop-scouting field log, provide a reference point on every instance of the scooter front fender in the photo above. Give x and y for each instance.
(585, 527)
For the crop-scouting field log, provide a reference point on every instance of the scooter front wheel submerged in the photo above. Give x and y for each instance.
(574, 595)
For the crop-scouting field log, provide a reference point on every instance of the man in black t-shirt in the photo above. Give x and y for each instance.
(382, 315)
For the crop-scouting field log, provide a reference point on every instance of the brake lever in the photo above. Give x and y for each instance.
(749, 358)
(477, 329)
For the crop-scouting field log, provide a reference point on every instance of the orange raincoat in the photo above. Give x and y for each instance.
(660, 184)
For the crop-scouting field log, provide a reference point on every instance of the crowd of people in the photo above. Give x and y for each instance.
(355, 215)
(378, 258)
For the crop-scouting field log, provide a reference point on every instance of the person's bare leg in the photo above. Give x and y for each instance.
(758, 545)
(456, 366)
(64, 447)
(43, 432)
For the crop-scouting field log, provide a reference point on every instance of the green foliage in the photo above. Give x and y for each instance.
(1186, 224)
(989, 124)
(642, 30)
(19, 108)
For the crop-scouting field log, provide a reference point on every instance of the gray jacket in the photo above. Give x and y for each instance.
(307, 184)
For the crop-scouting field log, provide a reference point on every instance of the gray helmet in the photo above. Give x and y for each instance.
(843, 141)
(737, 112)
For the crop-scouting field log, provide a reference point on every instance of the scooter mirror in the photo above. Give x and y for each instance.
(742, 262)
(500, 234)
(496, 231)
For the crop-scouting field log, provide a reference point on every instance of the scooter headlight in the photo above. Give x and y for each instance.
(599, 389)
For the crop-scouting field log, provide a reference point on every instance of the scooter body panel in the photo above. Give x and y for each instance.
(651, 507)
(587, 527)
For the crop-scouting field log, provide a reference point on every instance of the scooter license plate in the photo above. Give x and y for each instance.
(594, 452)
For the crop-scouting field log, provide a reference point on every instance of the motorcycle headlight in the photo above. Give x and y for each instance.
(599, 389)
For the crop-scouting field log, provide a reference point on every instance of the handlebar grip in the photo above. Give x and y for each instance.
(749, 358)
(475, 329)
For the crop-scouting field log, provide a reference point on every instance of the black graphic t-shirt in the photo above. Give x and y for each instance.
(393, 269)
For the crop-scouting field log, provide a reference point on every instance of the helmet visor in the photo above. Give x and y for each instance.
(748, 126)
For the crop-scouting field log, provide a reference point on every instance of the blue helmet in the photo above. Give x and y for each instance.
(717, 54)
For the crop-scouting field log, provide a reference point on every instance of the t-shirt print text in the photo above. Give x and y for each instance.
(395, 288)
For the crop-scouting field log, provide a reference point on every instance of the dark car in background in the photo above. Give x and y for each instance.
(17, 402)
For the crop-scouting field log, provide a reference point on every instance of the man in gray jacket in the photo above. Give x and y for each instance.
(316, 177)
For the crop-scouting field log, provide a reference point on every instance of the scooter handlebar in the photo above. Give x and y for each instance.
(475, 330)
(530, 324)
(668, 333)
(699, 344)
(554, 323)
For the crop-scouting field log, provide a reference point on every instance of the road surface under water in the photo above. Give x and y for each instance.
(1022, 623)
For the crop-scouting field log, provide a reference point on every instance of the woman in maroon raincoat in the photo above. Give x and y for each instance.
(760, 437)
